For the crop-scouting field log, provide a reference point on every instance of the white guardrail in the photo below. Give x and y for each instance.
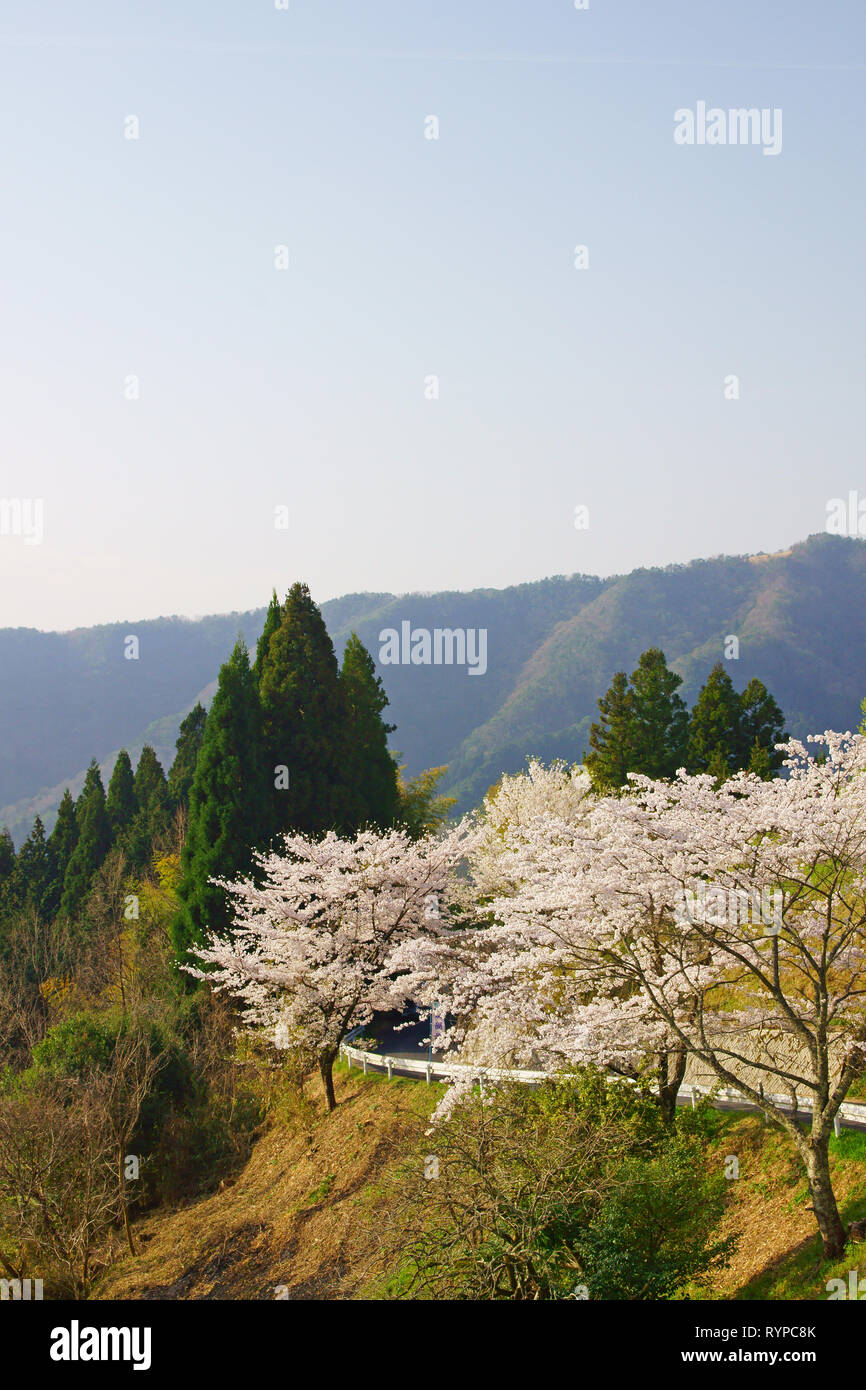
(851, 1111)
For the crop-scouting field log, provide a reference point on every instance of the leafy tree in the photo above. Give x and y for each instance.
(762, 726)
(655, 1230)
(370, 769)
(61, 843)
(715, 871)
(715, 728)
(421, 810)
(548, 1194)
(187, 747)
(120, 801)
(94, 841)
(230, 791)
(312, 953)
(304, 722)
(612, 738)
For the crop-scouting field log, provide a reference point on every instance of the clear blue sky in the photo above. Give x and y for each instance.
(409, 257)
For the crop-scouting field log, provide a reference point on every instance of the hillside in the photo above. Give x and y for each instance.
(301, 1215)
(552, 648)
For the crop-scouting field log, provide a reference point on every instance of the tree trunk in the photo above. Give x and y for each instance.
(672, 1069)
(823, 1199)
(326, 1071)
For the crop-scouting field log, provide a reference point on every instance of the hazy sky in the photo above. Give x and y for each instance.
(154, 258)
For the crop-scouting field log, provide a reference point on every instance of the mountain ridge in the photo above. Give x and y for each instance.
(553, 646)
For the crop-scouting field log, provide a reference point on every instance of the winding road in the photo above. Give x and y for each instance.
(401, 1048)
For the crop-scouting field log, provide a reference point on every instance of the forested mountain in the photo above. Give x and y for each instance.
(552, 648)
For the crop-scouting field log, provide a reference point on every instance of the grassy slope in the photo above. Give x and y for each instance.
(302, 1212)
(779, 1255)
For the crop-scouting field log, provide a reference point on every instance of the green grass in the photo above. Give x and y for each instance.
(850, 1146)
(319, 1193)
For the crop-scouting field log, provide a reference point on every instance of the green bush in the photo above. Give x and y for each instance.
(576, 1183)
(654, 1231)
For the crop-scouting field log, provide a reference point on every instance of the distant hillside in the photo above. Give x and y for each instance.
(552, 647)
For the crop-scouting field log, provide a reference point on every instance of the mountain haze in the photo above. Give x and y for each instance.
(552, 648)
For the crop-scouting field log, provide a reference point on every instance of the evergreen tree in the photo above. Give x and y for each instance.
(719, 766)
(8, 883)
(612, 738)
(94, 841)
(187, 748)
(762, 726)
(759, 762)
(660, 717)
(7, 854)
(715, 733)
(304, 720)
(151, 791)
(34, 872)
(61, 844)
(153, 813)
(120, 800)
(273, 618)
(230, 792)
(371, 771)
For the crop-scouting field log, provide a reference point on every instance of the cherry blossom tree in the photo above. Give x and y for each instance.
(511, 809)
(730, 921)
(311, 954)
(526, 985)
(471, 970)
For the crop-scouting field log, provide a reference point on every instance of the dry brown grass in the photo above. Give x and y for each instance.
(300, 1214)
(769, 1208)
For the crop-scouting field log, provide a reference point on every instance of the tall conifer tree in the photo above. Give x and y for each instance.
(715, 735)
(230, 793)
(8, 880)
(153, 813)
(61, 842)
(94, 841)
(273, 618)
(182, 771)
(120, 800)
(371, 771)
(304, 719)
(612, 738)
(34, 871)
(762, 726)
(660, 717)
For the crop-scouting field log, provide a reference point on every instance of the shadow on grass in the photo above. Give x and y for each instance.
(802, 1272)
